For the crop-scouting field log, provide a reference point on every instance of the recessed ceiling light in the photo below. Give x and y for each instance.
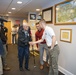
(19, 2)
(13, 8)
(9, 12)
(37, 9)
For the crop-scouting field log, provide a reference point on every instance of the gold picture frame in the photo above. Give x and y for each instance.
(65, 13)
(47, 15)
(66, 35)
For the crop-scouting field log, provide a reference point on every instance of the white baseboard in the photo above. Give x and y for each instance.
(62, 70)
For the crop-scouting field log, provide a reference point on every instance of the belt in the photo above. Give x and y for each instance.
(54, 46)
(49, 46)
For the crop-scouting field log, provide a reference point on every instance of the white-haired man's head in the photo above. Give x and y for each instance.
(25, 26)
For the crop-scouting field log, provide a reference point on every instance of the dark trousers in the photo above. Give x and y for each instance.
(23, 53)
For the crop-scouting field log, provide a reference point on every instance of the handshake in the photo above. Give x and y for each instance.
(32, 43)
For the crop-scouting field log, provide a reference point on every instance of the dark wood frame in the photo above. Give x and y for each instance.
(51, 14)
(55, 11)
(64, 38)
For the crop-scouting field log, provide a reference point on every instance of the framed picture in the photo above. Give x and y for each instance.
(65, 13)
(47, 15)
(32, 16)
(66, 35)
(39, 17)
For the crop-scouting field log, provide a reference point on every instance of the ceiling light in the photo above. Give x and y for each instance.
(9, 12)
(13, 8)
(19, 2)
(37, 9)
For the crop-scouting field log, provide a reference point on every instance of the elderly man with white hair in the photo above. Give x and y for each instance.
(23, 46)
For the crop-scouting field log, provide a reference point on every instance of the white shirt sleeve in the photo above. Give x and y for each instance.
(43, 36)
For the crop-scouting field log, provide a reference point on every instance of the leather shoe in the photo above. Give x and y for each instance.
(21, 69)
(41, 67)
(27, 69)
(47, 64)
(6, 68)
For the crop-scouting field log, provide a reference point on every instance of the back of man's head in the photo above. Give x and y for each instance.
(42, 21)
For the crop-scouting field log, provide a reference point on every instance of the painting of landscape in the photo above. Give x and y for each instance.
(65, 13)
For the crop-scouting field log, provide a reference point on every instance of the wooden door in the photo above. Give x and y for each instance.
(8, 25)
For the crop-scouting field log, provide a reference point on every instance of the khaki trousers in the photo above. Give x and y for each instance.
(53, 60)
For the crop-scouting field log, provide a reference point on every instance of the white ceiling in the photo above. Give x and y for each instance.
(21, 9)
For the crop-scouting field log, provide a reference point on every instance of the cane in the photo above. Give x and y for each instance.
(33, 55)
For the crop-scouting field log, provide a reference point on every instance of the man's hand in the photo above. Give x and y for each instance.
(31, 43)
(51, 48)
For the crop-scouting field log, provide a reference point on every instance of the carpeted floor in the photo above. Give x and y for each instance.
(12, 60)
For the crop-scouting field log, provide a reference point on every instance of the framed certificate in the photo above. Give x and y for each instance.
(66, 35)
(47, 15)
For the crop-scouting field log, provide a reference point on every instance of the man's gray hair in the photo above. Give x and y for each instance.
(42, 21)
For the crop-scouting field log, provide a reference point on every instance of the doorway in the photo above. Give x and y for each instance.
(8, 26)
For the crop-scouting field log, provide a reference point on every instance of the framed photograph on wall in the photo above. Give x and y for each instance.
(47, 15)
(39, 17)
(65, 13)
(66, 35)
(32, 16)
